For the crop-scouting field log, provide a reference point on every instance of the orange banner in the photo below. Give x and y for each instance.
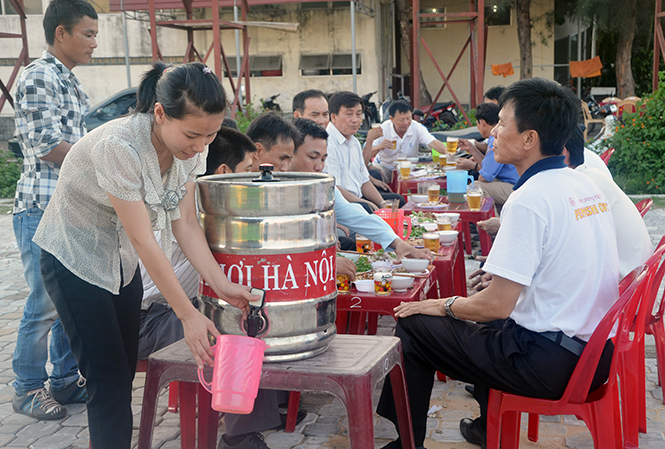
(503, 69)
(586, 69)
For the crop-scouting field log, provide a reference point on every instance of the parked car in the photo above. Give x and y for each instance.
(113, 107)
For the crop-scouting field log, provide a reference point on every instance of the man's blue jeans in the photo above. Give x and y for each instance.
(39, 317)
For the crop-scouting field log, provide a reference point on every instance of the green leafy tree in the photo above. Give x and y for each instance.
(10, 171)
(638, 163)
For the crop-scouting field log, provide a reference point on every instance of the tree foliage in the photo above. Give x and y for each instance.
(638, 163)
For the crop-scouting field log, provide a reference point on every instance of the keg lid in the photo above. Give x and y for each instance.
(266, 174)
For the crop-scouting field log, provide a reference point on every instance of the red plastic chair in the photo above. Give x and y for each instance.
(644, 206)
(632, 372)
(607, 155)
(600, 409)
(654, 326)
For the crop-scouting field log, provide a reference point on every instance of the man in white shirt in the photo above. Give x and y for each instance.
(556, 274)
(310, 156)
(345, 156)
(633, 241)
(399, 136)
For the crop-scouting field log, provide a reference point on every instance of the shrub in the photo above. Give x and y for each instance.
(461, 123)
(10, 171)
(638, 163)
(245, 117)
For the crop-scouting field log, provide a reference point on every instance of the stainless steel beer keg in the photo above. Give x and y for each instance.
(278, 236)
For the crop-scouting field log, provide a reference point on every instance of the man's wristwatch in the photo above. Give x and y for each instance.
(449, 302)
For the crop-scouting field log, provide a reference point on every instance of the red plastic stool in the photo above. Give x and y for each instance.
(349, 370)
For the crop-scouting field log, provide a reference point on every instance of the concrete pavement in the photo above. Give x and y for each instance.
(326, 423)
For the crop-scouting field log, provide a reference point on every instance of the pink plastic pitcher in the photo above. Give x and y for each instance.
(236, 373)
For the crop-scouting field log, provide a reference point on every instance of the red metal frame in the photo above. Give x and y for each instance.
(23, 58)
(658, 42)
(477, 44)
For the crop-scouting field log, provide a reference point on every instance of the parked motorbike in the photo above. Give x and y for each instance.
(598, 111)
(270, 104)
(443, 112)
(370, 111)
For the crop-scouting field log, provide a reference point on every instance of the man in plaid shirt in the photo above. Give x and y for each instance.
(50, 109)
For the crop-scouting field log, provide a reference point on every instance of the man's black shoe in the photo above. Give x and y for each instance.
(302, 414)
(472, 433)
(469, 389)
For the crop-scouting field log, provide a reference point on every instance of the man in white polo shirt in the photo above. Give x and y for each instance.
(402, 132)
(555, 259)
(345, 156)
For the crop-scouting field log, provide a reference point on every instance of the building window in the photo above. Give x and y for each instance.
(326, 64)
(259, 66)
(496, 15)
(31, 7)
(439, 22)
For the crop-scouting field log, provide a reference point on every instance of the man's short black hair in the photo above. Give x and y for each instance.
(400, 106)
(270, 128)
(545, 107)
(344, 98)
(493, 93)
(575, 147)
(301, 97)
(310, 128)
(66, 13)
(229, 147)
(488, 112)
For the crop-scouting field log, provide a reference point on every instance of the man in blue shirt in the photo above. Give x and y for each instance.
(495, 179)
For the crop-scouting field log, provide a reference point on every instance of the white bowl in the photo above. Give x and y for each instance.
(413, 160)
(401, 283)
(419, 198)
(364, 285)
(381, 266)
(415, 265)
(353, 257)
(430, 227)
(452, 215)
(447, 237)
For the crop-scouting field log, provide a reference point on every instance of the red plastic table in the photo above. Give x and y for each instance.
(364, 308)
(450, 270)
(349, 370)
(466, 216)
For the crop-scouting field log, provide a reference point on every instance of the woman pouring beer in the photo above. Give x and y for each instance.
(116, 185)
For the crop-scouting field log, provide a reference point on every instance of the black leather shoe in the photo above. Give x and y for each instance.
(472, 433)
(469, 389)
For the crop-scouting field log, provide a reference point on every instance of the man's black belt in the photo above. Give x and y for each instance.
(574, 345)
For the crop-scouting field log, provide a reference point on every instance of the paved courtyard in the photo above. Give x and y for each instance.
(326, 423)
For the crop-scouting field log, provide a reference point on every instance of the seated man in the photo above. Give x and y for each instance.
(633, 241)
(399, 136)
(312, 104)
(273, 137)
(492, 95)
(495, 179)
(556, 274)
(310, 156)
(345, 157)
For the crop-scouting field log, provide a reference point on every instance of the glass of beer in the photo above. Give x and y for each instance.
(451, 161)
(433, 193)
(383, 283)
(474, 196)
(393, 144)
(451, 144)
(444, 224)
(363, 244)
(405, 169)
(431, 242)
